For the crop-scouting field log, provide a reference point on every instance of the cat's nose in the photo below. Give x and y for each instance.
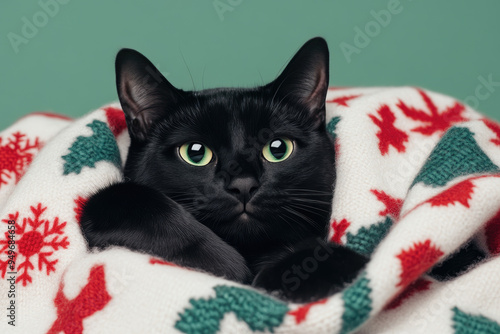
(243, 188)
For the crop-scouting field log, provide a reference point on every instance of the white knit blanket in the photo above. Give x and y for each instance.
(417, 179)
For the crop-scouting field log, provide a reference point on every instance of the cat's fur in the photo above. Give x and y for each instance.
(240, 216)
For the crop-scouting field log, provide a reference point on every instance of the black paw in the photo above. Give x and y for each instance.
(142, 219)
(310, 271)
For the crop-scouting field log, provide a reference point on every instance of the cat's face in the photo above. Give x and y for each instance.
(254, 165)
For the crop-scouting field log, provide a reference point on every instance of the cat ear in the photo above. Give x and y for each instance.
(305, 78)
(144, 93)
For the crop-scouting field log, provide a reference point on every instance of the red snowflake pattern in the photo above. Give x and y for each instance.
(16, 155)
(433, 119)
(92, 298)
(339, 229)
(458, 193)
(493, 126)
(417, 260)
(301, 313)
(32, 239)
(392, 205)
(342, 100)
(388, 134)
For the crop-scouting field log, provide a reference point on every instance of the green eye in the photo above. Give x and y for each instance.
(278, 149)
(196, 154)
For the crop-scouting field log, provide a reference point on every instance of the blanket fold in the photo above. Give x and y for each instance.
(418, 182)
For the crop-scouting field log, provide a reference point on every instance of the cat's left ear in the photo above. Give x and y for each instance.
(145, 95)
(305, 78)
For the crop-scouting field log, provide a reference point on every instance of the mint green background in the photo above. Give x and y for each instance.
(68, 66)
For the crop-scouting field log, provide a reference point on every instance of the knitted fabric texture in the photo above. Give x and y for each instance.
(367, 239)
(258, 311)
(473, 324)
(86, 151)
(418, 181)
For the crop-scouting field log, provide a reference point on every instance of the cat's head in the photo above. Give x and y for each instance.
(255, 165)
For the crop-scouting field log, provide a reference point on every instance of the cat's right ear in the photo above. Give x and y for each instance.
(144, 93)
(305, 79)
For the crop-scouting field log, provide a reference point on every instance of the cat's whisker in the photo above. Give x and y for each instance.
(185, 202)
(308, 208)
(181, 195)
(285, 218)
(309, 190)
(277, 107)
(304, 194)
(189, 71)
(305, 218)
(203, 77)
(299, 224)
(300, 191)
(181, 198)
(189, 206)
(311, 201)
(261, 228)
(292, 226)
(202, 218)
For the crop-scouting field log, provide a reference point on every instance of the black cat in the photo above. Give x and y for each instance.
(235, 182)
